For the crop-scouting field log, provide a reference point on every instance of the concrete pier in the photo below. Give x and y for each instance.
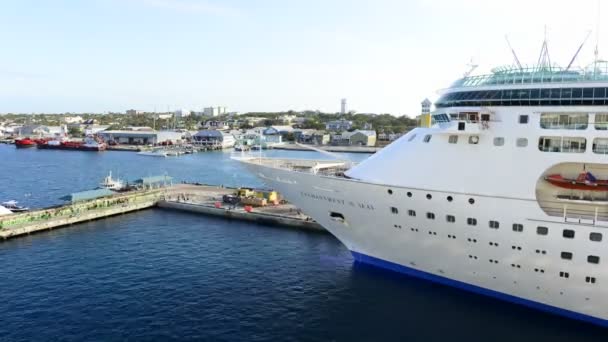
(192, 198)
(258, 216)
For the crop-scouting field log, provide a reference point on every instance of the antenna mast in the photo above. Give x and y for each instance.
(472, 66)
(579, 50)
(514, 54)
(544, 61)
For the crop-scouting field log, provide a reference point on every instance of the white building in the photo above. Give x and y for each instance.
(73, 119)
(134, 112)
(214, 111)
(181, 113)
(343, 106)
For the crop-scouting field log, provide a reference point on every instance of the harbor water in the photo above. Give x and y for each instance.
(165, 275)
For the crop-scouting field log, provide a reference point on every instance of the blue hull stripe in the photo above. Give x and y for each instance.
(476, 289)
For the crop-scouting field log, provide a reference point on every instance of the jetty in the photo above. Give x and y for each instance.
(194, 198)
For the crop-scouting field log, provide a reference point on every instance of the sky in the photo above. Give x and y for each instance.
(383, 56)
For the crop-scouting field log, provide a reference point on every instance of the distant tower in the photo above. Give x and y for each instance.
(425, 113)
(343, 106)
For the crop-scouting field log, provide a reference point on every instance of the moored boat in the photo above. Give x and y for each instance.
(25, 143)
(14, 207)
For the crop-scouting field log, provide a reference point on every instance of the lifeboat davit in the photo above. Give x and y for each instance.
(24, 143)
(584, 181)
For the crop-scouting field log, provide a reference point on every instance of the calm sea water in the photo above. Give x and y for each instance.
(164, 275)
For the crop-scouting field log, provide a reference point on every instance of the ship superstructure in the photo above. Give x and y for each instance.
(473, 201)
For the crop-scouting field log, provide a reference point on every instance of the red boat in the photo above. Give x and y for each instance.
(24, 143)
(584, 181)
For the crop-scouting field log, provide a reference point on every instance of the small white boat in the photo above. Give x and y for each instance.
(111, 183)
(157, 153)
(4, 211)
(14, 207)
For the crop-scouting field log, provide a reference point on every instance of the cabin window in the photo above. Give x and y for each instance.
(474, 139)
(411, 213)
(566, 255)
(600, 145)
(601, 122)
(522, 142)
(564, 274)
(568, 233)
(523, 119)
(394, 210)
(517, 227)
(427, 138)
(564, 120)
(471, 221)
(430, 216)
(450, 218)
(542, 230)
(453, 139)
(412, 137)
(593, 259)
(494, 224)
(562, 144)
(499, 141)
(597, 237)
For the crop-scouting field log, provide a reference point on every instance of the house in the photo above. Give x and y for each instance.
(287, 118)
(363, 138)
(339, 125)
(312, 136)
(273, 130)
(214, 138)
(213, 124)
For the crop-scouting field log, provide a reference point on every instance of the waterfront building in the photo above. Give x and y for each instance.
(214, 138)
(362, 138)
(141, 137)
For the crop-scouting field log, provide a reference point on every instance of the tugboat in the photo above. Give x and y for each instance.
(25, 143)
(14, 207)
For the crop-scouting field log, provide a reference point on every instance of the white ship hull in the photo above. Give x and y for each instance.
(518, 267)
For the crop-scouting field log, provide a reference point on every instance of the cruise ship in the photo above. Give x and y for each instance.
(503, 193)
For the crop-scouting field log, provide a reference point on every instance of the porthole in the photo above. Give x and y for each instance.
(518, 227)
(430, 216)
(411, 212)
(390, 192)
(450, 198)
(494, 224)
(471, 221)
(597, 237)
(566, 255)
(450, 218)
(429, 196)
(471, 201)
(568, 233)
(593, 259)
(542, 230)
(394, 210)
(409, 194)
